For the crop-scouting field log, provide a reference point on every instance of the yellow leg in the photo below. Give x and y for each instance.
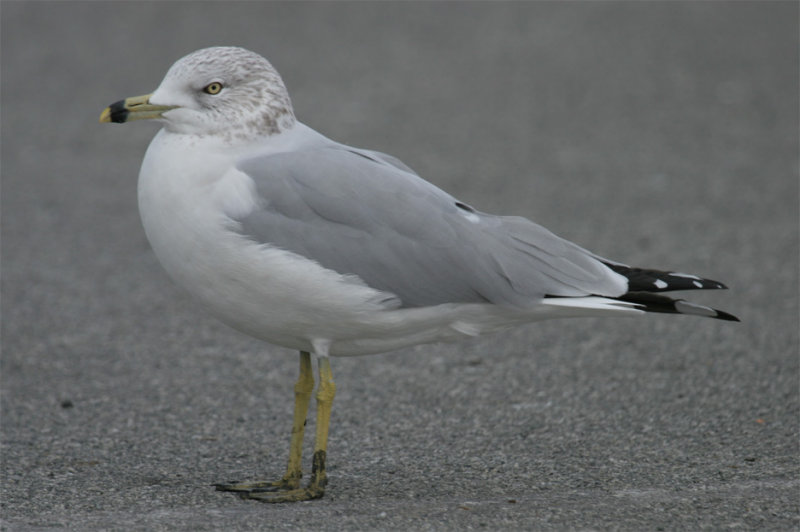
(291, 480)
(325, 395)
(316, 486)
(302, 395)
(287, 489)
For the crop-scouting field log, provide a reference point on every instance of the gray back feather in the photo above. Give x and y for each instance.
(367, 214)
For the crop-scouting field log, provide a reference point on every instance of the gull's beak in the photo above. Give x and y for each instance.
(135, 108)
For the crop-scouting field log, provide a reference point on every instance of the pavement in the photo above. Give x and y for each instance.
(657, 134)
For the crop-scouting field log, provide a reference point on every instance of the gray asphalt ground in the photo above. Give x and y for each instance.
(658, 134)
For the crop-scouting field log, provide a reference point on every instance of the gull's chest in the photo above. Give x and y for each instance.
(187, 198)
(179, 202)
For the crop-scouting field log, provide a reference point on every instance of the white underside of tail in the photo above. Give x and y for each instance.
(394, 329)
(576, 307)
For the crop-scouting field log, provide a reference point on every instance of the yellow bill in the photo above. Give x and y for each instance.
(134, 108)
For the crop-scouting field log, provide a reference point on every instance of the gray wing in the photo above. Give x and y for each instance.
(364, 213)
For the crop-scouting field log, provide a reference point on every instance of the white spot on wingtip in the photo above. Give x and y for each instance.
(698, 284)
(684, 275)
(684, 307)
(660, 284)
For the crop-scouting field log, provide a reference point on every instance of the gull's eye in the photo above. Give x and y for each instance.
(213, 88)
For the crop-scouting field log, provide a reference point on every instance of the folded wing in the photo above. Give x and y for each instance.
(366, 214)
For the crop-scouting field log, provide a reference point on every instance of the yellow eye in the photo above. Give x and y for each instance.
(213, 88)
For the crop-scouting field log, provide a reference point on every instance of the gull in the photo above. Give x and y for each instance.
(323, 248)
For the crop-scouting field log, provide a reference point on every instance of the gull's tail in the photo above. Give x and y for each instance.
(641, 296)
(650, 302)
(642, 283)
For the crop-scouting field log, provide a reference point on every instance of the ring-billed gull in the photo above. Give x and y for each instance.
(320, 247)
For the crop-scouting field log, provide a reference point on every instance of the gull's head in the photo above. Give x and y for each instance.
(224, 91)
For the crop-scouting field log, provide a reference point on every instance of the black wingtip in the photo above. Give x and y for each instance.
(649, 280)
(722, 315)
(716, 285)
(650, 302)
